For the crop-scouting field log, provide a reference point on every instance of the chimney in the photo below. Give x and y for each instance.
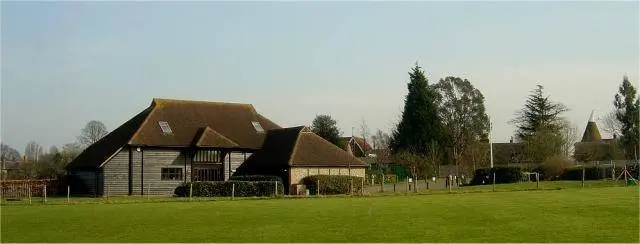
(614, 136)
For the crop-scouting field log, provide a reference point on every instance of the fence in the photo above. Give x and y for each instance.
(22, 189)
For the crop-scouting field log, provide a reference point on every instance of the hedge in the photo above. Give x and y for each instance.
(224, 189)
(332, 184)
(503, 175)
(256, 178)
(597, 173)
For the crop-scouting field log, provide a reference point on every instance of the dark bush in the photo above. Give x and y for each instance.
(596, 173)
(553, 167)
(332, 184)
(503, 175)
(224, 189)
(256, 178)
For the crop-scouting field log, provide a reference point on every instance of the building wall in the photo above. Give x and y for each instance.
(297, 173)
(237, 158)
(151, 167)
(146, 171)
(116, 175)
(88, 182)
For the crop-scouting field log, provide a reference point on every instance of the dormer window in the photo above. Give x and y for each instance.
(164, 126)
(257, 126)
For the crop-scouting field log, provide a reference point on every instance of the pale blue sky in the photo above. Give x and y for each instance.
(66, 63)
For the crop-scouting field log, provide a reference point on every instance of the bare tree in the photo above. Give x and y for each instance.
(610, 124)
(8, 153)
(569, 137)
(53, 150)
(364, 132)
(33, 151)
(380, 140)
(92, 132)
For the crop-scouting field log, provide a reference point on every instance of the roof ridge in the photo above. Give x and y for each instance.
(216, 133)
(295, 145)
(144, 122)
(172, 100)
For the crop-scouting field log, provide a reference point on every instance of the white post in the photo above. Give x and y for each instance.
(44, 193)
(190, 190)
(29, 193)
(233, 190)
(148, 190)
(490, 144)
(276, 187)
(68, 192)
(491, 155)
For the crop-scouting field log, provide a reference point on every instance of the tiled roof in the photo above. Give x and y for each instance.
(209, 124)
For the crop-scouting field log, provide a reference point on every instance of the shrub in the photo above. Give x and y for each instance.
(596, 173)
(224, 189)
(332, 184)
(503, 175)
(553, 167)
(256, 178)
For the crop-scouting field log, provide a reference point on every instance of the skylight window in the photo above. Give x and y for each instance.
(257, 126)
(164, 126)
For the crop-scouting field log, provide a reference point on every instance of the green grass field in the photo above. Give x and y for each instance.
(607, 214)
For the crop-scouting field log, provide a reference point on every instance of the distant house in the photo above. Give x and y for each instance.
(10, 169)
(176, 141)
(294, 153)
(508, 153)
(593, 148)
(357, 146)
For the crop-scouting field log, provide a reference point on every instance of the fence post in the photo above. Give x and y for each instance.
(351, 186)
(362, 189)
(583, 176)
(394, 187)
(148, 190)
(449, 178)
(318, 187)
(44, 193)
(382, 183)
(537, 180)
(407, 185)
(276, 187)
(68, 193)
(29, 193)
(494, 181)
(190, 190)
(233, 190)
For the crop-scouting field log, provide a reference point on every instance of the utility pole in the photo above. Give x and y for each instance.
(491, 154)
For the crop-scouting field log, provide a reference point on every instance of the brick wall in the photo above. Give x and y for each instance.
(297, 173)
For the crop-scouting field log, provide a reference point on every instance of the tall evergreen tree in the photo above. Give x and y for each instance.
(627, 109)
(420, 126)
(326, 127)
(539, 114)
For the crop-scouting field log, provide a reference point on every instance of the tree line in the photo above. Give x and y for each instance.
(445, 122)
(38, 164)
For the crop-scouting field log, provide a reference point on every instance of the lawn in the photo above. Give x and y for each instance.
(607, 214)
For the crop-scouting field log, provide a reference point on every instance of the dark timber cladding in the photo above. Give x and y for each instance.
(171, 142)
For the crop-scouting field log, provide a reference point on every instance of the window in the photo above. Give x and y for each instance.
(164, 126)
(171, 174)
(257, 126)
(206, 156)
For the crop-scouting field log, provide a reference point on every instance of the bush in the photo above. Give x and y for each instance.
(332, 184)
(256, 178)
(596, 173)
(224, 189)
(553, 167)
(503, 175)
